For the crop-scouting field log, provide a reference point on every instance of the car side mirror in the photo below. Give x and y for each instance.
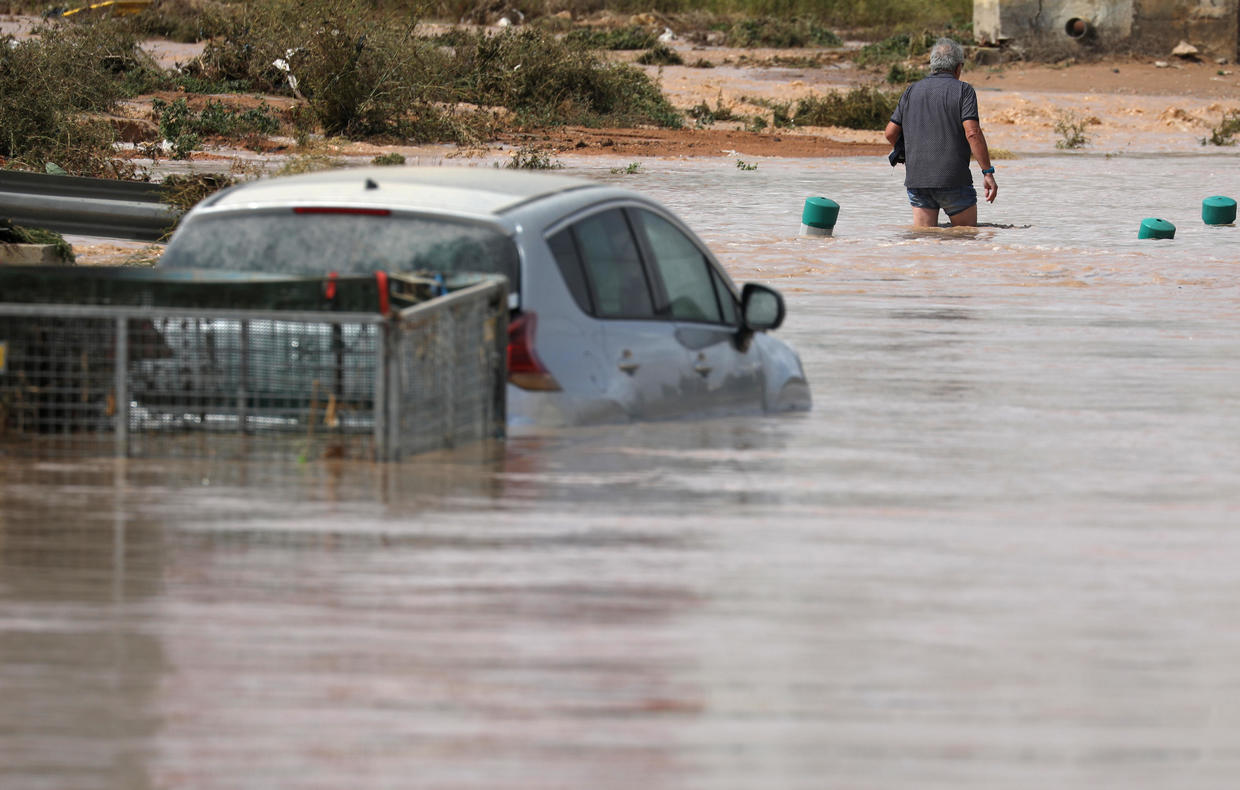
(762, 308)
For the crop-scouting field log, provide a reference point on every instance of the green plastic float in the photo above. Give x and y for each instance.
(818, 217)
(1218, 210)
(1152, 228)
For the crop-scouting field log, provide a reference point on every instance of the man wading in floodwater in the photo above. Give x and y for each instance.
(937, 118)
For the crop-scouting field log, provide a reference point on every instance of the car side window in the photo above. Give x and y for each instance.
(564, 248)
(613, 266)
(727, 299)
(686, 274)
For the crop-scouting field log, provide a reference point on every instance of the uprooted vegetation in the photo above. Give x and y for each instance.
(779, 33)
(197, 20)
(185, 128)
(54, 90)
(1224, 133)
(860, 108)
(16, 234)
(356, 72)
(1071, 130)
(893, 49)
(630, 37)
(361, 78)
(660, 55)
(543, 81)
(361, 69)
(532, 158)
(864, 107)
(184, 191)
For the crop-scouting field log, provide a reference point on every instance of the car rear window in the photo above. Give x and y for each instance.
(309, 244)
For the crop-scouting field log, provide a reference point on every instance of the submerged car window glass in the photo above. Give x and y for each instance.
(565, 251)
(617, 279)
(727, 300)
(685, 272)
(309, 244)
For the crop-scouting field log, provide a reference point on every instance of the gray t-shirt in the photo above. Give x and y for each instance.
(931, 114)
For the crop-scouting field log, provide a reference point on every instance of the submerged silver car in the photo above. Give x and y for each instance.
(618, 311)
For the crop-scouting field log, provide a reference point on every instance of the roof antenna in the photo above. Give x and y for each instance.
(370, 184)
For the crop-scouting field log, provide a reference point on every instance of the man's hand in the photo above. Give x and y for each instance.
(992, 189)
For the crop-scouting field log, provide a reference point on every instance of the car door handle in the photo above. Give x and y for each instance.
(701, 367)
(627, 364)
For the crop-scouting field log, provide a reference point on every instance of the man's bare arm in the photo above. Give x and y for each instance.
(977, 143)
(981, 152)
(893, 132)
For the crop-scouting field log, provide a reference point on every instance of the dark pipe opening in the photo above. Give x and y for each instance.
(1079, 28)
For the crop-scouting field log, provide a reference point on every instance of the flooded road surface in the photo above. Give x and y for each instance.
(1000, 552)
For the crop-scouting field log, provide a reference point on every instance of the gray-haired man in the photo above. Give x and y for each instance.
(937, 119)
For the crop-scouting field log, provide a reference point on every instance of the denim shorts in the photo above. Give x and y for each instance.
(953, 200)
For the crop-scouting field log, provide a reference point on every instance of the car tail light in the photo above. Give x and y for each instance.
(524, 368)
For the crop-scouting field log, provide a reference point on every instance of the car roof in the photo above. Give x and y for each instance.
(470, 191)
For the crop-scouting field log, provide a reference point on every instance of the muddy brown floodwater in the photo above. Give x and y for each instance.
(1000, 552)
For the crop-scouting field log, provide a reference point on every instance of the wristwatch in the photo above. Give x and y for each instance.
(988, 171)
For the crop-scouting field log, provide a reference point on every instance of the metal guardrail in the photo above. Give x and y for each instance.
(86, 206)
(179, 382)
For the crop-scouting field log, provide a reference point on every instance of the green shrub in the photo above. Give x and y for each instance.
(532, 158)
(859, 108)
(356, 79)
(781, 115)
(704, 115)
(900, 74)
(309, 163)
(896, 48)
(361, 71)
(184, 20)
(364, 73)
(544, 81)
(51, 84)
(192, 84)
(185, 127)
(1072, 132)
(781, 112)
(393, 159)
(176, 126)
(661, 55)
(218, 119)
(853, 14)
(1226, 130)
(632, 37)
(779, 33)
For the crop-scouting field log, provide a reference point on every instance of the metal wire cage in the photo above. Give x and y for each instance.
(159, 381)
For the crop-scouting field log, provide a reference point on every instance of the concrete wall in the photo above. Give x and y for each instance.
(1154, 26)
(1210, 25)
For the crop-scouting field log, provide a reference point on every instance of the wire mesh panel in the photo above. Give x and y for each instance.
(150, 381)
(57, 381)
(449, 370)
(307, 387)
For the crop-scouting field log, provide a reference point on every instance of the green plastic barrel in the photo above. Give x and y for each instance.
(1152, 228)
(819, 215)
(1218, 210)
